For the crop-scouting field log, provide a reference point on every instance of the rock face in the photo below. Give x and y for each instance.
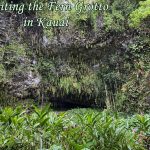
(23, 84)
(39, 60)
(3, 29)
(20, 79)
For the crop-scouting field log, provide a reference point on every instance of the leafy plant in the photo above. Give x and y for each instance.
(79, 129)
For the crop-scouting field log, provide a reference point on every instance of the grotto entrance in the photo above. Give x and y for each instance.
(69, 101)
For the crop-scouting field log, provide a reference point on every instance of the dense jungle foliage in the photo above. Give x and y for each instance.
(106, 65)
(81, 129)
(101, 60)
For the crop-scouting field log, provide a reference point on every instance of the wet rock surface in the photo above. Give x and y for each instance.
(24, 79)
(97, 45)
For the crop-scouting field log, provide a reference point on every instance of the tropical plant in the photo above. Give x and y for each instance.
(79, 129)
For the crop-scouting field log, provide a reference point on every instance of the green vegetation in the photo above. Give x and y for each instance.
(143, 12)
(78, 129)
(101, 60)
(10, 60)
(121, 80)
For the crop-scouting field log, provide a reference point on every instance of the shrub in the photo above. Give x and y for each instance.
(74, 130)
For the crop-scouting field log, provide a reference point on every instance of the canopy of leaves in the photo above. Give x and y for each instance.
(138, 15)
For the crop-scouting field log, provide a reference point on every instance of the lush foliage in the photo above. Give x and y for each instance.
(10, 59)
(143, 12)
(106, 64)
(120, 80)
(35, 128)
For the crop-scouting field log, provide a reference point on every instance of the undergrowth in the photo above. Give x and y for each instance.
(79, 129)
